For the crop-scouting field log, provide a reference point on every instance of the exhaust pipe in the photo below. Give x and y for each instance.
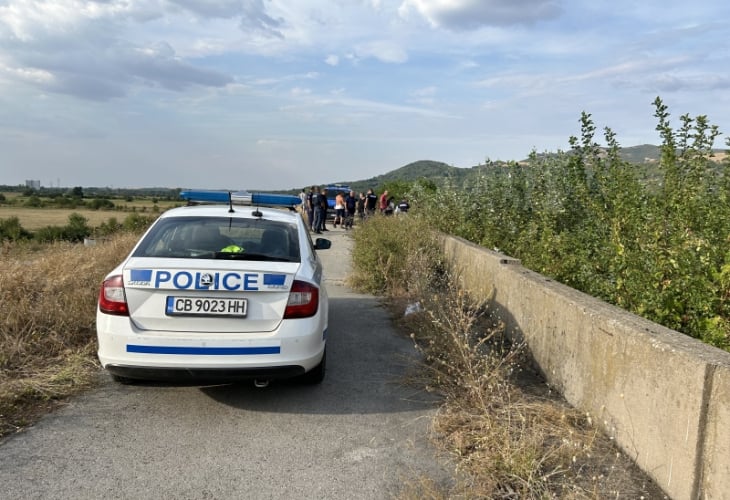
(261, 383)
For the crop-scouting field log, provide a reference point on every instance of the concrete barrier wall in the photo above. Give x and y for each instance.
(663, 396)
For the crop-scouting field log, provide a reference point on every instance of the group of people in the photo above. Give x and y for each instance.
(347, 206)
(386, 204)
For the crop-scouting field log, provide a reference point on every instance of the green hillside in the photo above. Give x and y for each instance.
(436, 171)
(439, 172)
(645, 155)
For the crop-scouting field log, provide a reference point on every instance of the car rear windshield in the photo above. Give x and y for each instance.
(221, 238)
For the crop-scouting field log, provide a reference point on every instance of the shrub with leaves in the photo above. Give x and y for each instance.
(137, 222)
(388, 248)
(654, 244)
(76, 230)
(11, 230)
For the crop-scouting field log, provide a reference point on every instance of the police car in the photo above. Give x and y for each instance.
(218, 291)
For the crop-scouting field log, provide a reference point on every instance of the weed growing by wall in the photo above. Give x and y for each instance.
(507, 435)
(387, 249)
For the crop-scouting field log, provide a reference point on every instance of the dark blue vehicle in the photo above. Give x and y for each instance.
(332, 192)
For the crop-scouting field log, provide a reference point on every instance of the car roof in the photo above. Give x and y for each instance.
(239, 211)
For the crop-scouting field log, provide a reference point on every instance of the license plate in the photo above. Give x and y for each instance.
(205, 306)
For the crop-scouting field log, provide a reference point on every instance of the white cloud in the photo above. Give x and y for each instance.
(461, 15)
(298, 91)
(216, 8)
(382, 50)
(76, 48)
(130, 85)
(425, 96)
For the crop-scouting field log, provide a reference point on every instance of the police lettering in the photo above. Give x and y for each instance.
(185, 280)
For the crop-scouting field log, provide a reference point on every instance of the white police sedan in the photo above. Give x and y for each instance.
(217, 292)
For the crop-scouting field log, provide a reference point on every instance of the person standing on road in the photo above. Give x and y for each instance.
(360, 206)
(371, 202)
(383, 206)
(310, 208)
(350, 206)
(339, 210)
(320, 211)
(302, 208)
(390, 206)
(323, 206)
(316, 211)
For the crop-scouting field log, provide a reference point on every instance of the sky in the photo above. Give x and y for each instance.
(281, 94)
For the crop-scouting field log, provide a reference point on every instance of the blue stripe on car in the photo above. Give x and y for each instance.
(274, 279)
(141, 275)
(203, 351)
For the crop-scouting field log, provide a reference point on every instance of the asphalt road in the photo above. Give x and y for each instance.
(360, 434)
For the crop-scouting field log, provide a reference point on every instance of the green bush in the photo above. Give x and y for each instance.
(33, 202)
(653, 244)
(48, 234)
(76, 230)
(388, 248)
(10, 229)
(136, 222)
(109, 227)
(100, 204)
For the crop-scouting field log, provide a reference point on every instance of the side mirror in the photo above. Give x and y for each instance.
(322, 244)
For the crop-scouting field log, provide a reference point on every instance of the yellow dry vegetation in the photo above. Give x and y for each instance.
(36, 218)
(48, 295)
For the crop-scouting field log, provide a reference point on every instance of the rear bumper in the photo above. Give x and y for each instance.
(294, 348)
(203, 374)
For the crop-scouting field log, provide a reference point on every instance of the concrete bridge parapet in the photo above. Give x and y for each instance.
(663, 396)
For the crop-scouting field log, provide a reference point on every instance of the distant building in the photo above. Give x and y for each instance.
(33, 184)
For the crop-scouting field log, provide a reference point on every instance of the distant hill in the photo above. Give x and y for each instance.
(439, 172)
(646, 153)
(433, 170)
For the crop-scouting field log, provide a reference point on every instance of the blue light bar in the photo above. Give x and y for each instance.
(241, 198)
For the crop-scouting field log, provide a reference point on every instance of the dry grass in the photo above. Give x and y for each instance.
(48, 296)
(33, 219)
(508, 435)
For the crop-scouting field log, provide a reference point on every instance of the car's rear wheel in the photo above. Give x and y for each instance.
(316, 374)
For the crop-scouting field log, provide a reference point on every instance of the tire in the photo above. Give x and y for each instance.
(316, 375)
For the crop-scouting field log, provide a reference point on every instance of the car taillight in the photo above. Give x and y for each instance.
(112, 299)
(303, 301)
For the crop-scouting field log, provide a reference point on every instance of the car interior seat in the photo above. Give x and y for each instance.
(207, 237)
(275, 243)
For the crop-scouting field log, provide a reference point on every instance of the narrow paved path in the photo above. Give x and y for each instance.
(356, 436)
